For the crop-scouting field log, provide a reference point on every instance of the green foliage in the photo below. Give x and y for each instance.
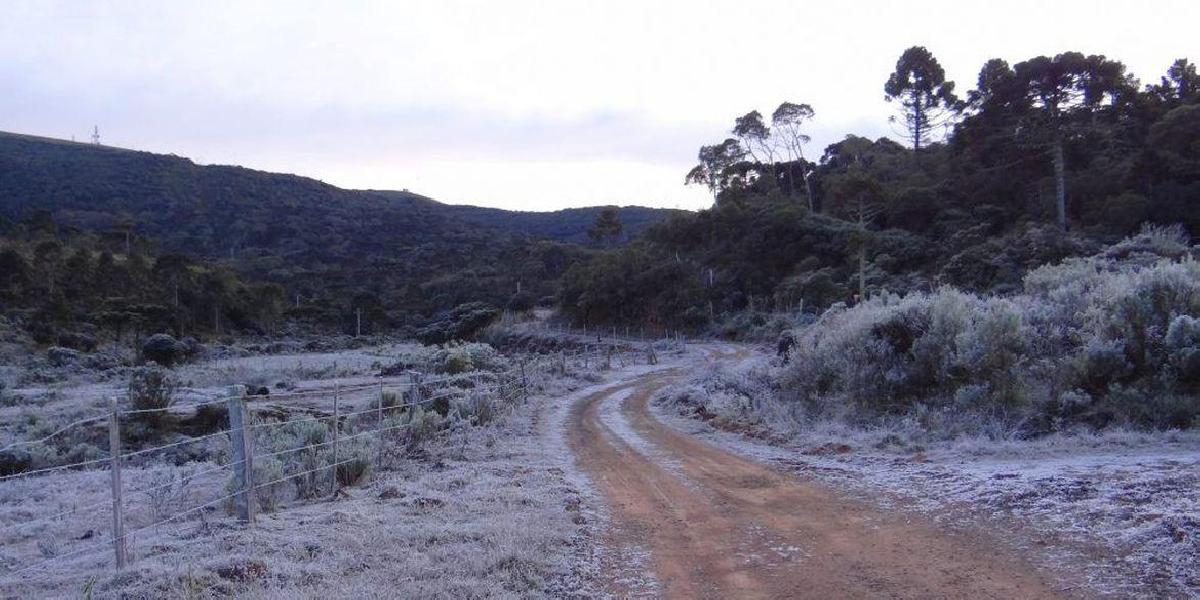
(919, 86)
(462, 323)
(163, 349)
(322, 245)
(607, 227)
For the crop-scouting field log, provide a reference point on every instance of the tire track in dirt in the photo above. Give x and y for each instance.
(737, 528)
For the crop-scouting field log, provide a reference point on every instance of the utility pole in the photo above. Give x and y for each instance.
(96, 135)
(357, 322)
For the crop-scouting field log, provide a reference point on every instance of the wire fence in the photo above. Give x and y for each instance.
(317, 441)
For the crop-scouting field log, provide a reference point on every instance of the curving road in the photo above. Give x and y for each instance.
(715, 525)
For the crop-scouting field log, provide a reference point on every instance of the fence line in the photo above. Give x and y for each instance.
(507, 386)
(46, 438)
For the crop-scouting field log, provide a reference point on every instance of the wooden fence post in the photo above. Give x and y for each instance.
(415, 380)
(379, 427)
(333, 482)
(524, 384)
(114, 451)
(243, 454)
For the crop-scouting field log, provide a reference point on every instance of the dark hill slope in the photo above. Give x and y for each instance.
(566, 225)
(397, 252)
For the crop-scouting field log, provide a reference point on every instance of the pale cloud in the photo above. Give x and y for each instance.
(533, 105)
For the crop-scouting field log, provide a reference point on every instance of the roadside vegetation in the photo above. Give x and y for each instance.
(1108, 341)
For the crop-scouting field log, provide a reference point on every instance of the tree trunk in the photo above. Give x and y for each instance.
(1060, 185)
(862, 273)
(812, 206)
(862, 254)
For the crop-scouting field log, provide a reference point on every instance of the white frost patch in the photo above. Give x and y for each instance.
(618, 425)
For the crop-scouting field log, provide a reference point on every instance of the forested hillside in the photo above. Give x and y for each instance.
(398, 257)
(1045, 159)
(567, 225)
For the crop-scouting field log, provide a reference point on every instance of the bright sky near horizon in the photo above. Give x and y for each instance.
(514, 104)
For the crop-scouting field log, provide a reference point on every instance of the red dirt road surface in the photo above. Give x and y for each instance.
(717, 525)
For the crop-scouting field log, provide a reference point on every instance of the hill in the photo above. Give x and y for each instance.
(398, 255)
(567, 225)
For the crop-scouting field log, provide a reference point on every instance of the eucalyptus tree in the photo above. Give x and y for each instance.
(714, 164)
(788, 121)
(755, 137)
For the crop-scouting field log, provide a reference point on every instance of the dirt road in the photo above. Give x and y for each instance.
(716, 525)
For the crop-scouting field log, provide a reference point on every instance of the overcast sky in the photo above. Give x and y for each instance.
(522, 105)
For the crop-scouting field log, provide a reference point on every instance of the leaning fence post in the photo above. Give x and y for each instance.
(114, 451)
(243, 459)
(337, 388)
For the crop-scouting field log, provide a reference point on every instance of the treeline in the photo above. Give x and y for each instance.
(70, 288)
(1048, 158)
(392, 261)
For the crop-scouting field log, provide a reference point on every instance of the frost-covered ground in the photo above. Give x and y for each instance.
(493, 511)
(202, 380)
(1123, 507)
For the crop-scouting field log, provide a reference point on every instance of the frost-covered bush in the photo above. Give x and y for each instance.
(304, 453)
(354, 470)
(1183, 348)
(1113, 339)
(152, 391)
(452, 358)
(409, 430)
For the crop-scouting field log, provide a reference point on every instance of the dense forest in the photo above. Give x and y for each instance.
(70, 288)
(1049, 158)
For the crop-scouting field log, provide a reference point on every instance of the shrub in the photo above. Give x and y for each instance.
(462, 323)
(355, 470)
(78, 341)
(411, 429)
(478, 408)
(269, 490)
(61, 357)
(163, 349)
(151, 389)
(1105, 340)
(309, 435)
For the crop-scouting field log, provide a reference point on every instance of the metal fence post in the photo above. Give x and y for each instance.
(243, 454)
(118, 508)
